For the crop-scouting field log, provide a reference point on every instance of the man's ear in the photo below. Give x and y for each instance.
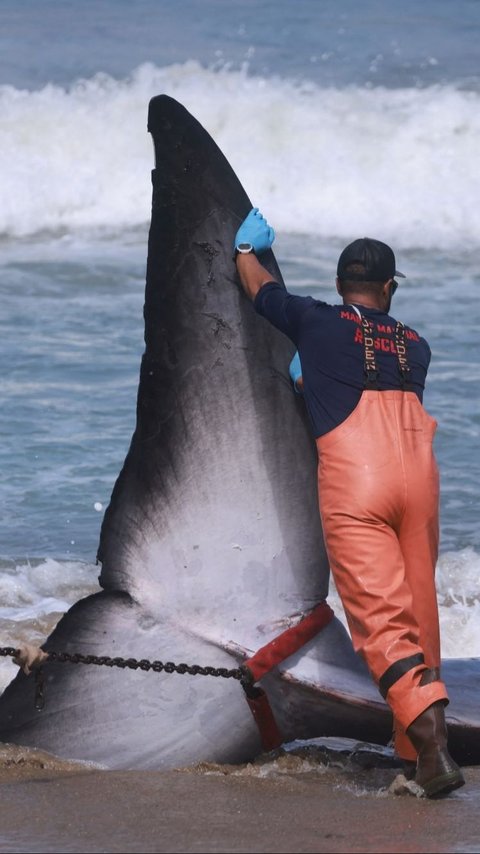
(339, 287)
(386, 288)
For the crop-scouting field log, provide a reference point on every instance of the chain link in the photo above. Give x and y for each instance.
(134, 664)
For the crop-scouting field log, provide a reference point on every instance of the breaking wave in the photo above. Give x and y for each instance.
(401, 164)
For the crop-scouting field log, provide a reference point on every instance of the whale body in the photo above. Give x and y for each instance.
(212, 543)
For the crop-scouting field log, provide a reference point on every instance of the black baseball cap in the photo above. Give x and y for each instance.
(377, 258)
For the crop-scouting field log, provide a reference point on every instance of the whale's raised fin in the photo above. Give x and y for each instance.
(220, 480)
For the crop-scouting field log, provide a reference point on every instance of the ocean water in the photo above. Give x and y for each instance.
(340, 119)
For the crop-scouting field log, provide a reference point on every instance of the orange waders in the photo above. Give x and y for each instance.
(378, 495)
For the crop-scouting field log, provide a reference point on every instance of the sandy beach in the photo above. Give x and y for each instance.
(277, 805)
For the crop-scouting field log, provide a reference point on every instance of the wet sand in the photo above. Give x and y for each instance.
(278, 806)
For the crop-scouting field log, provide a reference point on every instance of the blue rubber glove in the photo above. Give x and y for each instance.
(255, 230)
(295, 370)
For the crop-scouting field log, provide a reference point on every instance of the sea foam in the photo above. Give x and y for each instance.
(400, 164)
(29, 611)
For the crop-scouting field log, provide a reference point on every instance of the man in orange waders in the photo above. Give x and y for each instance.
(363, 375)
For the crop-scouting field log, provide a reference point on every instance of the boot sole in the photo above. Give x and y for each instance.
(443, 784)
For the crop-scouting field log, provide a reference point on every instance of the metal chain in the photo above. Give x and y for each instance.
(134, 664)
(8, 651)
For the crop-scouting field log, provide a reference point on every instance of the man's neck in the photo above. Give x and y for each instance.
(364, 301)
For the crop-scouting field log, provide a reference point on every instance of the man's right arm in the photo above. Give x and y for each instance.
(252, 274)
(270, 298)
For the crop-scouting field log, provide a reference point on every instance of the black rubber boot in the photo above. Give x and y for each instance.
(409, 768)
(437, 773)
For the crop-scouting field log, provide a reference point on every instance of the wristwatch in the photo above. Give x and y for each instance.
(244, 249)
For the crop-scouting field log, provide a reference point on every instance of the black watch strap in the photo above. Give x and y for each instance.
(243, 249)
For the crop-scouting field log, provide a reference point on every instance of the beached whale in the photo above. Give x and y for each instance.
(212, 543)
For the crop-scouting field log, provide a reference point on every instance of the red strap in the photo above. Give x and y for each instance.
(267, 658)
(290, 641)
(267, 726)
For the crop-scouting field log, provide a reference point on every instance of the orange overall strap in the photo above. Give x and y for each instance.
(281, 647)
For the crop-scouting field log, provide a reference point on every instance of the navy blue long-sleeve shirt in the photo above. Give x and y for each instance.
(329, 340)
